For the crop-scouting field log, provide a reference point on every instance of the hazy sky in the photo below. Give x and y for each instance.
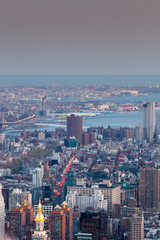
(79, 36)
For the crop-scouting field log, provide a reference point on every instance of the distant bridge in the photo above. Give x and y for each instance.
(19, 121)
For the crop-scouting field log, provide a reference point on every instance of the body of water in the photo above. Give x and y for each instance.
(133, 99)
(115, 120)
(118, 119)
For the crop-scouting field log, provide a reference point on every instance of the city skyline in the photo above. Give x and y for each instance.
(101, 178)
(79, 119)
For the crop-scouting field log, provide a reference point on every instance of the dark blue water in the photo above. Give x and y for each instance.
(118, 119)
(115, 120)
(132, 119)
(66, 80)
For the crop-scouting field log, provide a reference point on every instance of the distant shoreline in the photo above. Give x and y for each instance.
(79, 80)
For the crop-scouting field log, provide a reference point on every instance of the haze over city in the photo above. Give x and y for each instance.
(79, 119)
(79, 37)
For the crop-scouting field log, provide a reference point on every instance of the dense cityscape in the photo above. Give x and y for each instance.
(73, 182)
(79, 120)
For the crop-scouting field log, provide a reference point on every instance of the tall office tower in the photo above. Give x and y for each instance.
(37, 177)
(39, 233)
(29, 226)
(96, 223)
(17, 196)
(158, 126)
(126, 214)
(137, 227)
(57, 224)
(29, 212)
(74, 127)
(47, 174)
(149, 188)
(104, 224)
(60, 223)
(90, 223)
(17, 219)
(20, 220)
(92, 137)
(69, 219)
(2, 215)
(86, 139)
(149, 119)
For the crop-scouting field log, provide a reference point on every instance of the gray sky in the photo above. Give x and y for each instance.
(79, 36)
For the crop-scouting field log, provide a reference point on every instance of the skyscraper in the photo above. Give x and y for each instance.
(149, 119)
(137, 227)
(47, 174)
(149, 188)
(126, 214)
(2, 215)
(97, 223)
(60, 222)
(90, 223)
(67, 210)
(74, 127)
(158, 126)
(17, 220)
(21, 220)
(37, 177)
(57, 224)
